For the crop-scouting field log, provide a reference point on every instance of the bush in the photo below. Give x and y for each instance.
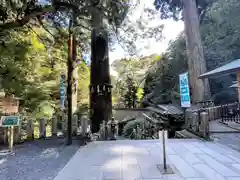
(225, 97)
(131, 125)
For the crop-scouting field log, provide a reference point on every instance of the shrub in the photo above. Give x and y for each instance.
(131, 125)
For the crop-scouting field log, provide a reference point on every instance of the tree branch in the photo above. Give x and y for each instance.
(45, 28)
(21, 22)
(38, 11)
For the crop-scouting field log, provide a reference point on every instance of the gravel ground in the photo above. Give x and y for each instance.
(231, 140)
(38, 160)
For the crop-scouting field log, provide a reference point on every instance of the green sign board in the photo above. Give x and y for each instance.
(6, 121)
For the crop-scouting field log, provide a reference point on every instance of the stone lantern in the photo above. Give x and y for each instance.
(113, 129)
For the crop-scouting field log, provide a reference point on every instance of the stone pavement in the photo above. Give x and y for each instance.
(231, 140)
(190, 159)
(217, 127)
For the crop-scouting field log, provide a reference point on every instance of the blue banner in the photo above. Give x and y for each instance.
(62, 90)
(184, 90)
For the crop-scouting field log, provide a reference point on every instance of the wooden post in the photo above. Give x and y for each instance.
(10, 137)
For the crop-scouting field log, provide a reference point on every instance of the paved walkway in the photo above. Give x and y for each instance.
(231, 140)
(137, 160)
(217, 127)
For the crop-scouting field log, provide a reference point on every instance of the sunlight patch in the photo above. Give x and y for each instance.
(50, 152)
(3, 160)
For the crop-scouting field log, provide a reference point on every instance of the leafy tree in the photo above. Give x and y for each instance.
(130, 94)
(30, 71)
(196, 62)
(220, 46)
(131, 72)
(172, 9)
(83, 83)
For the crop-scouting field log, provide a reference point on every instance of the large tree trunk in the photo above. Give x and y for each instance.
(69, 86)
(75, 71)
(196, 62)
(100, 87)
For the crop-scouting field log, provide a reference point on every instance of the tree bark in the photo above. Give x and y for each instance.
(196, 62)
(100, 87)
(75, 68)
(69, 85)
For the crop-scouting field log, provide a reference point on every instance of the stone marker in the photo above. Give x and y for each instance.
(74, 124)
(204, 124)
(54, 126)
(17, 134)
(42, 128)
(195, 122)
(30, 129)
(84, 125)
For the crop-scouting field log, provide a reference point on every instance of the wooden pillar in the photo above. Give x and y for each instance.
(238, 85)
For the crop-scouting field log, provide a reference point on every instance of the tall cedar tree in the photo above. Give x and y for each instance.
(191, 13)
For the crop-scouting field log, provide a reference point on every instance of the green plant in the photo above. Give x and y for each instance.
(130, 126)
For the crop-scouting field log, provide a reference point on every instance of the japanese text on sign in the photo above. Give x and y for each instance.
(184, 90)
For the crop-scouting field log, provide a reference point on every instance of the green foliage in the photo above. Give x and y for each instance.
(220, 34)
(30, 69)
(129, 97)
(28, 72)
(83, 83)
(128, 87)
(162, 79)
(139, 94)
(131, 125)
(173, 8)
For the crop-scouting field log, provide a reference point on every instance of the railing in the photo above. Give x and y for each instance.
(146, 130)
(206, 104)
(230, 112)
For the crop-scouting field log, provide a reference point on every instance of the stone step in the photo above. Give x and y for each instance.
(186, 135)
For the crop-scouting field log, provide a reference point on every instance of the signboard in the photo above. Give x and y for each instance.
(184, 90)
(7, 121)
(62, 91)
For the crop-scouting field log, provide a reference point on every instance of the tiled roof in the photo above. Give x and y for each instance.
(231, 67)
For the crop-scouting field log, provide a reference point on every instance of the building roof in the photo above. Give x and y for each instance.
(234, 86)
(167, 109)
(232, 67)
